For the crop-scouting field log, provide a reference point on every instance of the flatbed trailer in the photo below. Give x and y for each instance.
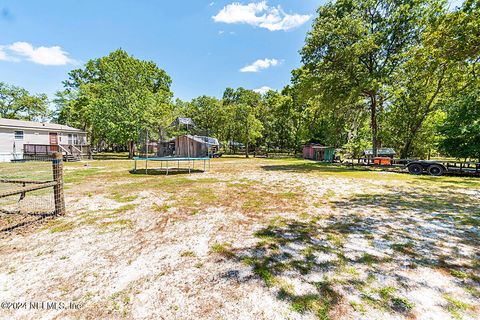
(432, 167)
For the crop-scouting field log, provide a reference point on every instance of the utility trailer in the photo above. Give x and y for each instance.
(417, 167)
(439, 168)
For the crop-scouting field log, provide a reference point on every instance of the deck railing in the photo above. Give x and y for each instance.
(39, 150)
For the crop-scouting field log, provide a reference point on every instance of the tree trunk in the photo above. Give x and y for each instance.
(374, 125)
(406, 149)
(426, 112)
(408, 144)
(247, 132)
(131, 149)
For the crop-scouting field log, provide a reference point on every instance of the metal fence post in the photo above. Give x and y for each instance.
(57, 166)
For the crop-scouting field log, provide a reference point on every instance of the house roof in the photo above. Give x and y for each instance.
(389, 151)
(22, 124)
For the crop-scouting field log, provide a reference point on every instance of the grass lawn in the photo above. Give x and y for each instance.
(251, 239)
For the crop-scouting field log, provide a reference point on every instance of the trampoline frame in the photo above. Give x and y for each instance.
(173, 159)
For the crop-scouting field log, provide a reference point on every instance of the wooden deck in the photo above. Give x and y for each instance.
(69, 152)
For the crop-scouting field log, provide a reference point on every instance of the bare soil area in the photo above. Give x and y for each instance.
(251, 239)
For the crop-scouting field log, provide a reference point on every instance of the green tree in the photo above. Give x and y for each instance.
(442, 65)
(206, 112)
(328, 116)
(250, 126)
(243, 107)
(356, 46)
(461, 128)
(116, 97)
(283, 119)
(18, 103)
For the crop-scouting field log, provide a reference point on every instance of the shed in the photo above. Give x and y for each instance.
(381, 152)
(315, 151)
(191, 146)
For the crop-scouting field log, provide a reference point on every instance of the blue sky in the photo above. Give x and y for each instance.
(203, 45)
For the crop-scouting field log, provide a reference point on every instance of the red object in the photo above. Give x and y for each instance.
(383, 161)
(53, 141)
(308, 152)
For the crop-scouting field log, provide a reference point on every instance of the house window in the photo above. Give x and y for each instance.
(18, 135)
(70, 138)
(75, 139)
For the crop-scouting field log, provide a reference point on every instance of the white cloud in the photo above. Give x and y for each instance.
(263, 90)
(261, 15)
(49, 56)
(3, 55)
(211, 4)
(260, 65)
(223, 32)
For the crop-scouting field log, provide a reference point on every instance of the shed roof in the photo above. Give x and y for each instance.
(209, 140)
(389, 151)
(202, 139)
(22, 124)
(317, 146)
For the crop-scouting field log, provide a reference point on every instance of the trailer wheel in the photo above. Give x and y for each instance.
(435, 170)
(415, 169)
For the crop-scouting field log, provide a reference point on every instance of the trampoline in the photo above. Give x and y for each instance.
(166, 160)
(177, 144)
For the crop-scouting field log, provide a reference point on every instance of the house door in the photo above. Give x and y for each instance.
(53, 141)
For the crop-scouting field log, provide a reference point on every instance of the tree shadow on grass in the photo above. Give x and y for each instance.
(461, 181)
(311, 167)
(369, 244)
(111, 156)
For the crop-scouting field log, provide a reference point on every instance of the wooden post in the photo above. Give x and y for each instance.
(57, 166)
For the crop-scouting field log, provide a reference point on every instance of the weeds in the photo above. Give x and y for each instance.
(223, 249)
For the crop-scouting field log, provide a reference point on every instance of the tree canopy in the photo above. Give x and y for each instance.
(375, 73)
(18, 103)
(115, 97)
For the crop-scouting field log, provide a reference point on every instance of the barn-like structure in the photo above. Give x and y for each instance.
(318, 152)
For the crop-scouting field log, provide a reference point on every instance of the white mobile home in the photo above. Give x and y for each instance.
(28, 140)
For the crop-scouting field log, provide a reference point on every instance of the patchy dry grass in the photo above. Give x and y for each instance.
(253, 238)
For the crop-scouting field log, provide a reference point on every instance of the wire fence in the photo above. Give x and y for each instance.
(30, 191)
